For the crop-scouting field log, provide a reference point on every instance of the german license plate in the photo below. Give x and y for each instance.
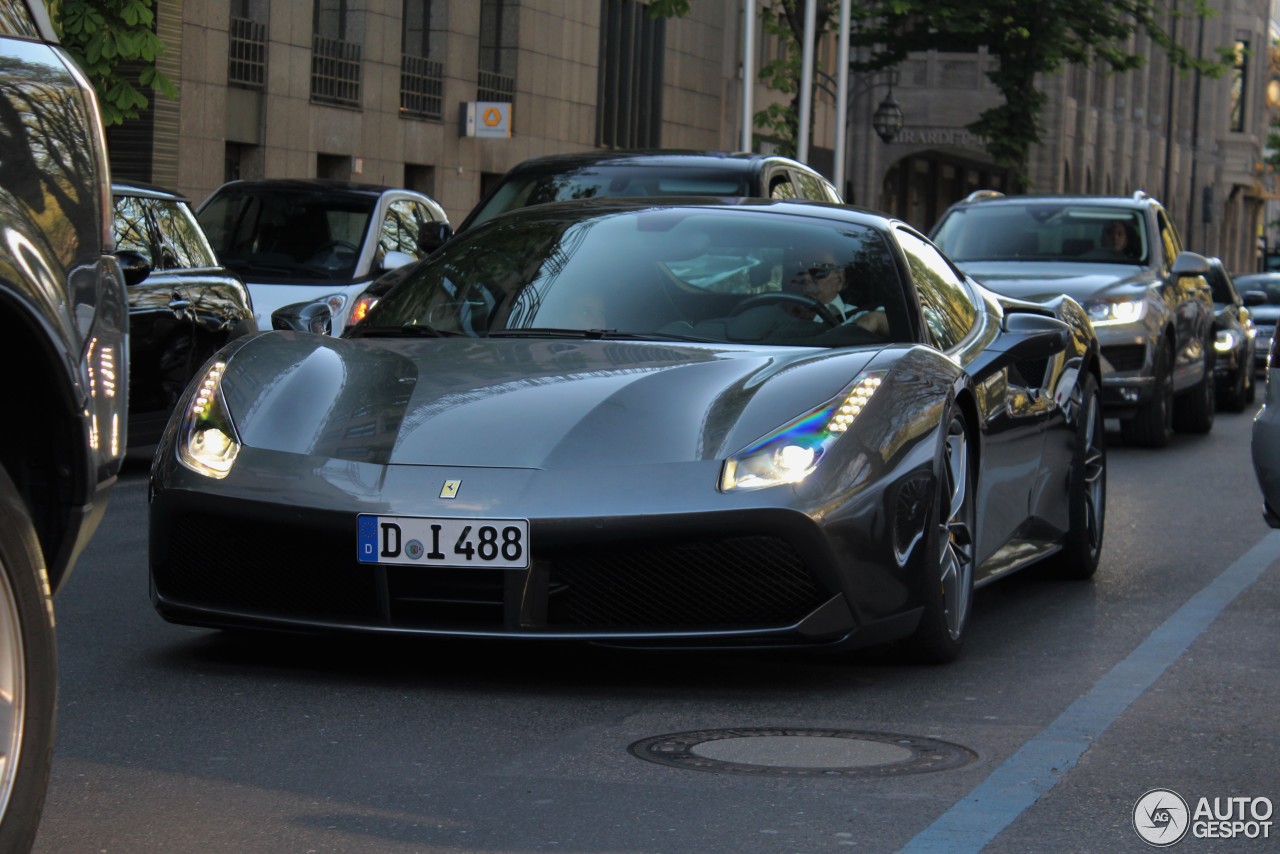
(426, 541)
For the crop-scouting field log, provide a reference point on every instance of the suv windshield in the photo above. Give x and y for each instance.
(1044, 232)
(287, 235)
(535, 188)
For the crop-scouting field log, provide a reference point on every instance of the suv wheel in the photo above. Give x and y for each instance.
(28, 674)
(1152, 425)
(1235, 397)
(1193, 411)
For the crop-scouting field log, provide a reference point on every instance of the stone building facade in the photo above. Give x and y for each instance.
(377, 91)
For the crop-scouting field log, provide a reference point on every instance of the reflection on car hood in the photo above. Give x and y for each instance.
(521, 403)
(1042, 280)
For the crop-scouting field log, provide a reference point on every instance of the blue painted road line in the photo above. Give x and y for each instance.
(1044, 761)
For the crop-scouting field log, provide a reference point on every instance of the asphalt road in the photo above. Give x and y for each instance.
(1075, 699)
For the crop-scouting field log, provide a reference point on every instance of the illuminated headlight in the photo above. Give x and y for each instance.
(335, 303)
(207, 442)
(1225, 341)
(792, 452)
(1120, 310)
(360, 308)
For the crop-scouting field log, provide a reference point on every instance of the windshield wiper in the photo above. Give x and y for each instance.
(406, 330)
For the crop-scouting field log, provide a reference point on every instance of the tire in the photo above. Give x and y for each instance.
(1251, 388)
(1235, 397)
(1086, 489)
(28, 674)
(1152, 425)
(1193, 410)
(948, 595)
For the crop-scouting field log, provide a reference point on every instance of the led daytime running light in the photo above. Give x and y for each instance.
(854, 403)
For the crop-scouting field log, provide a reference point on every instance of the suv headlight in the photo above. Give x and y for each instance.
(1225, 341)
(1116, 310)
(792, 452)
(207, 441)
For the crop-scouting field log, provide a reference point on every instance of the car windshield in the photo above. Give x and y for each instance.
(1267, 283)
(535, 188)
(674, 273)
(283, 235)
(1044, 231)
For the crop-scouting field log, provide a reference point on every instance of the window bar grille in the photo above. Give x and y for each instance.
(421, 87)
(496, 87)
(247, 54)
(335, 71)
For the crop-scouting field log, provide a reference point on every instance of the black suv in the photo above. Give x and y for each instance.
(1122, 259)
(63, 334)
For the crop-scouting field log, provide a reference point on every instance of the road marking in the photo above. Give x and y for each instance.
(1045, 760)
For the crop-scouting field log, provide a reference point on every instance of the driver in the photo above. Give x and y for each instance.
(825, 281)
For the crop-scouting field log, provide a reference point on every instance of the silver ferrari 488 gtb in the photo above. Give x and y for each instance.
(666, 423)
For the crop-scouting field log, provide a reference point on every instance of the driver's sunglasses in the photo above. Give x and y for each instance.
(817, 271)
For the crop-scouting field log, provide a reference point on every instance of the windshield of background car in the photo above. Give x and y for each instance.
(536, 188)
(1044, 231)
(676, 273)
(163, 230)
(1267, 283)
(281, 235)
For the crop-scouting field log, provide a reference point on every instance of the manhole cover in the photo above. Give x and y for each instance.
(802, 752)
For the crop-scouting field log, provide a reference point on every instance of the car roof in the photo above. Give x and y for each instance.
(125, 187)
(603, 205)
(736, 161)
(993, 197)
(312, 185)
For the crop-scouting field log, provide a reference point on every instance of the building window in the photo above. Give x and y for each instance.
(498, 41)
(335, 54)
(422, 59)
(1239, 84)
(629, 92)
(247, 45)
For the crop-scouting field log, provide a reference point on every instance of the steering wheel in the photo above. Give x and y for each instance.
(336, 244)
(807, 301)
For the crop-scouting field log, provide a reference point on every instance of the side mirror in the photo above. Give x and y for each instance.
(1255, 297)
(1034, 336)
(134, 265)
(433, 235)
(395, 259)
(304, 317)
(1190, 264)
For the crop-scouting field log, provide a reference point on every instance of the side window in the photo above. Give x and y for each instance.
(945, 300)
(130, 226)
(780, 186)
(810, 187)
(400, 228)
(181, 242)
(1169, 238)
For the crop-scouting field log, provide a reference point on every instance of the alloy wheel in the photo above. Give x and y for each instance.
(1095, 469)
(956, 554)
(12, 690)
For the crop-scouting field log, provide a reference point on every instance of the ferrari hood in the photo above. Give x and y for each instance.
(520, 403)
(1040, 281)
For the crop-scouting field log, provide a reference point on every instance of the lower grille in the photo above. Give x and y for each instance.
(730, 583)
(1125, 357)
(218, 563)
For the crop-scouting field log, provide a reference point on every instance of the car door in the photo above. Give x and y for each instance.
(1190, 301)
(1013, 410)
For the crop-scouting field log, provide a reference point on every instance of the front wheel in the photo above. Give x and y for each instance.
(1152, 425)
(28, 674)
(1087, 487)
(948, 592)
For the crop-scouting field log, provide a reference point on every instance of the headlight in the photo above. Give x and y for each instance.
(1118, 310)
(1225, 341)
(792, 452)
(207, 442)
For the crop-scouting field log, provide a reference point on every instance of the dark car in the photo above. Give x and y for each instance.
(303, 241)
(599, 174)
(183, 305)
(63, 338)
(1265, 447)
(632, 174)
(1122, 259)
(1233, 344)
(643, 422)
(1264, 311)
